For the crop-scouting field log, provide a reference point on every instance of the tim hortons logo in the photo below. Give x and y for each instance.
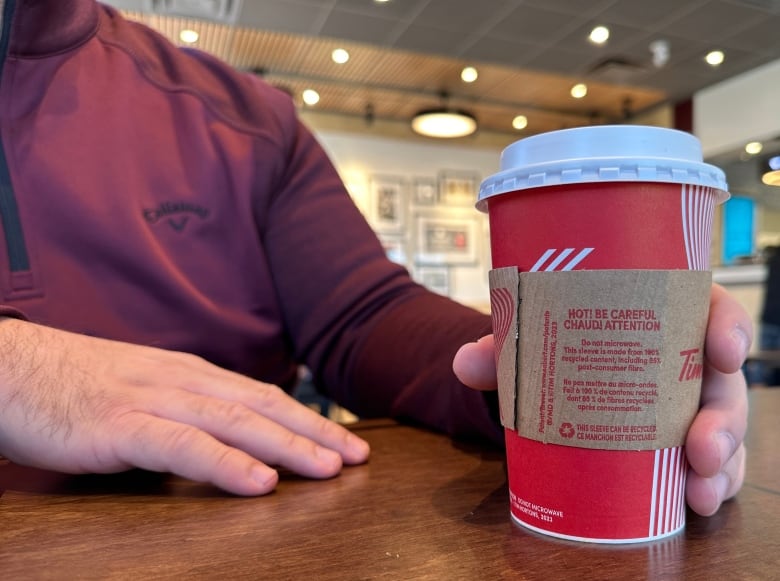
(691, 368)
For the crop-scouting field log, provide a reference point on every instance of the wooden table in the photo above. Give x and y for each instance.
(423, 508)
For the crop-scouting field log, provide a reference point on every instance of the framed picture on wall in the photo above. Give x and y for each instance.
(425, 193)
(443, 239)
(458, 188)
(434, 278)
(387, 197)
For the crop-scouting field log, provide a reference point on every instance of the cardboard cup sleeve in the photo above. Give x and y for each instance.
(608, 359)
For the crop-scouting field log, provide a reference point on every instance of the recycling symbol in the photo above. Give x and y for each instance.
(566, 430)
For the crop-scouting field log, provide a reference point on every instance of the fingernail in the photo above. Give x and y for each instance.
(726, 447)
(329, 457)
(265, 477)
(721, 484)
(359, 448)
(740, 337)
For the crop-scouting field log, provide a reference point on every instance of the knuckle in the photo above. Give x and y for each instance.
(328, 429)
(230, 412)
(268, 397)
(142, 439)
(287, 443)
(177, 440)
(224, 459)
(190, 359)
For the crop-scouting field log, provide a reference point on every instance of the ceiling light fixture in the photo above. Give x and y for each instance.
(444, 122)
(469, 74)
(520, 122)
(579, 90)
(599, 35)
(189, 36)
(369, 114)
(772, 177)
(310, 97)
(754, 148)
(339, 56)
(715, 58)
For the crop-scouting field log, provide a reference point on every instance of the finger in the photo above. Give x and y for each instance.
(729, 331)
(162, 445)
(236, 425)
(475, 364)
(721, 422)
(720, 426)
(714, 443)
(273, 403)
(705, 495)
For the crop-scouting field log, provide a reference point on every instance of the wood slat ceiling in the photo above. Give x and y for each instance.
(397, 83)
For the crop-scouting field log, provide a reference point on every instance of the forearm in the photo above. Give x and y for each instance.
(403, 368)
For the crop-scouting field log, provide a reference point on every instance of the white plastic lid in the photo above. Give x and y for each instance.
(605, 153)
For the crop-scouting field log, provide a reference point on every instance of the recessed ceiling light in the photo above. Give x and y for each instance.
(520, 122)
(599, 35)
(189, 36)
(579, 90)
(754, 147)
(311, 97)
(469, 74)
(715, 57)
(339, 56)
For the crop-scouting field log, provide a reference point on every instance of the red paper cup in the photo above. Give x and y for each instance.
(608, 197)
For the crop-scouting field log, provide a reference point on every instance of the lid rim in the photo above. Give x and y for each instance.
(588, 155)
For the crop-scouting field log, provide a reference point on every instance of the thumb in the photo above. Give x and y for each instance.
(475, 364)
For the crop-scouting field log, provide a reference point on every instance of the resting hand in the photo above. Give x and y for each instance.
(80, 404)
(714, 445)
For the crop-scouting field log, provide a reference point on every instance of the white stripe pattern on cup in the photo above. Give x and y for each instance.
(697, 211)
(667, 503)
(558, 258)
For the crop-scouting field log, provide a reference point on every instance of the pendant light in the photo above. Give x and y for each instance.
(444, 122)
(772, 177)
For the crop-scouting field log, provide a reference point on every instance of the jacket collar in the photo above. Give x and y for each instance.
(43, 27)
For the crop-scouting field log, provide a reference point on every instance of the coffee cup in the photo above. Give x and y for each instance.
(600, 243)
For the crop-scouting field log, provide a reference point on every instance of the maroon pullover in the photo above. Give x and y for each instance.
(154, 195)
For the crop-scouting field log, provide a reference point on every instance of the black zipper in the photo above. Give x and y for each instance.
(18, 258)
